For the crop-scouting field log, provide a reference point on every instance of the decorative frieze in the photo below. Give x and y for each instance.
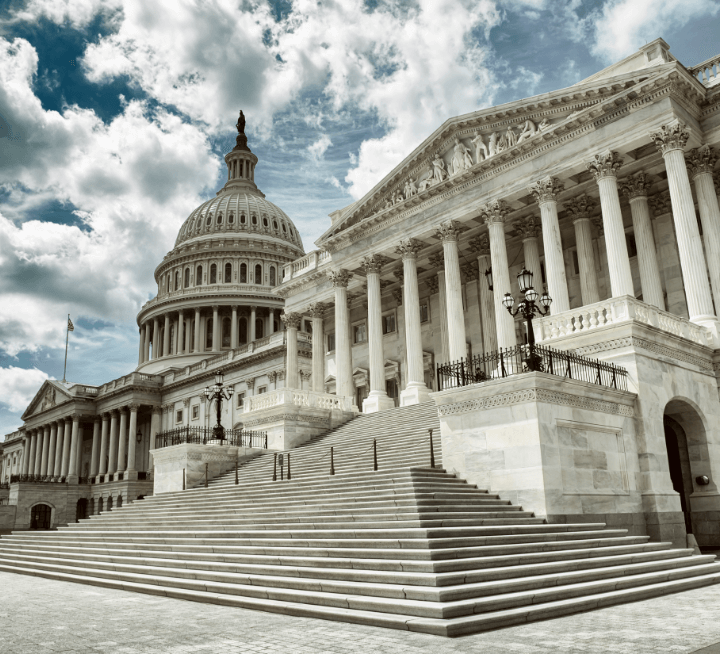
(469, 271)
(605, 165)
(432, 284)
(673, 136)
(480, 245)
(546, 189)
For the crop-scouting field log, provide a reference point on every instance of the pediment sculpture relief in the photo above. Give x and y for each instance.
(48, 400)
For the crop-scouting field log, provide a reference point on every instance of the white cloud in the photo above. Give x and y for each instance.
(318, 149)
(622, 26)
(19, 385)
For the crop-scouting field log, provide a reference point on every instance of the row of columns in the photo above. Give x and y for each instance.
(53, 451)
(150, 332)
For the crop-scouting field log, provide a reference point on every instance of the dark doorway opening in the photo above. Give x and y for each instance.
(40, 516)
(81, 511)
(679, 463)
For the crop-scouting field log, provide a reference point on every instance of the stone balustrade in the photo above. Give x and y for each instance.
(614, 311)
(707, 72)
(309, 262)
(296, 397)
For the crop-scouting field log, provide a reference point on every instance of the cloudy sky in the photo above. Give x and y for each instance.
(115, 115)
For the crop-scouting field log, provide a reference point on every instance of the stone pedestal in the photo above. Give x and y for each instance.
(377, 401)
(170, 462)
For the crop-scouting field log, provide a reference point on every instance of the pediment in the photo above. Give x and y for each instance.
(51, 394)
(474, 144)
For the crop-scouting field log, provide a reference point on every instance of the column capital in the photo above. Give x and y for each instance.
(470, 271)
(409, 248)
(186, 401)
(67, 419)
(527, 227)
(599, 225)
(480, 245)
(399, 274)
(233, 307)
(437, 260)
(373, 263)
(340, 277)
(291, 320)
(157, 410)
(250, 382)
(432, 284)
(546, 189)
(133, 406)
(215, 307)
(397, 294)
(448, 231)
(305, 374)
(701, 160)
(660, 203)
(637, 186)
(317, 309)
(495, 211)
(98, 419)
(605, 165)
(673, 136)
(580, 207)
(123, 410)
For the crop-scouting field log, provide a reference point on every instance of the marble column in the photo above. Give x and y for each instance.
(292, 323)
(481, 246)
(154, 431)
(95, 453)
(343, 355)
(416, 391)
(146, 348)
(700, 163)
(448, 233)
(234, 327)
(132, 442)
(59, 445)
(636, 188)
(494, 215)
(604, 168)
(377, 399)
(545, 193)
(122, 441)
(45, 450)
(104, 444)
(34, 452)
(580, 208)
(27, 452)
(156, 339)
(316, 310)
(253, 317)
(671, 140)
(180, 333)
(529, 230)
(215, 331)
(113, 445)
(271, 319)
(74, 444)
(438, 285)
(52, 450)
(66, 448)
(142, 346)
(80, 450)
(166, 337)
(196, 340)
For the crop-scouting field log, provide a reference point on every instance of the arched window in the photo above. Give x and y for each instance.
(187, 278)
(228, 273)
(213, 274)
(226, 326)
(231, 219)
(119, 502)
(208, 222)
(258, 274)
(242, 331)
(243, 273)
(198, 276)
(109, 504)
(208, 333)
(275, 225)
(265, 221)
(272, 275)
(254, 219)
(192, 335)
(100, 505)
(177, 280)
(284, 228)
(259, 325)
(219, 219)
(243, 220)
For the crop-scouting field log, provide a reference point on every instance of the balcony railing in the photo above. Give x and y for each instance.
(37, 479)
(523, 359)
(205, 436)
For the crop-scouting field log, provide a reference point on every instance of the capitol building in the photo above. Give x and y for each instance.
(541, 278)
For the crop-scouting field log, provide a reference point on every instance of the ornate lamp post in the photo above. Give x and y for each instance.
(218, 393)
(527, 309)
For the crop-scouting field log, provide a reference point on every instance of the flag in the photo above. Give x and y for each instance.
(71, 327)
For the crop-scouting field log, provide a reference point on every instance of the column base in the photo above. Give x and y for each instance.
(72, 479)
(377, 401)
(415, 393)
(130, 475)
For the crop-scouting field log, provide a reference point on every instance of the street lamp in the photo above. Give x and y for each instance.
(527, 309)
(218, 392)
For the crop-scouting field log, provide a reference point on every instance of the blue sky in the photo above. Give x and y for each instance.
(115, 116)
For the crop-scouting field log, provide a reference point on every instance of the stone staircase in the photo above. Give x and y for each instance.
(406, 547)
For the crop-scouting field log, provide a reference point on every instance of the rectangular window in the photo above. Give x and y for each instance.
(240, 400)
(388, 323)
(360, 333)
(424, 311)
(331, 342)
(178, 415)
(262, 389)
(196, 412)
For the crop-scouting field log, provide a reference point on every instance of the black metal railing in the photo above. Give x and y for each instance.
(204, 436)
(4, 485)
(37, 479)
(525, 358)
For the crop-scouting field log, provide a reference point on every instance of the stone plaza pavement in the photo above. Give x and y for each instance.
(39, 616)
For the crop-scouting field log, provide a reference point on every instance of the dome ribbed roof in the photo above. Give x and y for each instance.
(239, 211)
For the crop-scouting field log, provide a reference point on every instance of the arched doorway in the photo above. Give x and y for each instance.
(109, 503)
(81, 511)
(40, 516)
(100, 505)
(679, 463)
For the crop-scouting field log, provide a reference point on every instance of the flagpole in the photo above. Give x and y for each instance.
(67, 335)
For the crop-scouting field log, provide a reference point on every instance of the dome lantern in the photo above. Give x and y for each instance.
(240, 163)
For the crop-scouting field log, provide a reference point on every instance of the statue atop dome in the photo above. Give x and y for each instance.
(241, 123)
(241, 140)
